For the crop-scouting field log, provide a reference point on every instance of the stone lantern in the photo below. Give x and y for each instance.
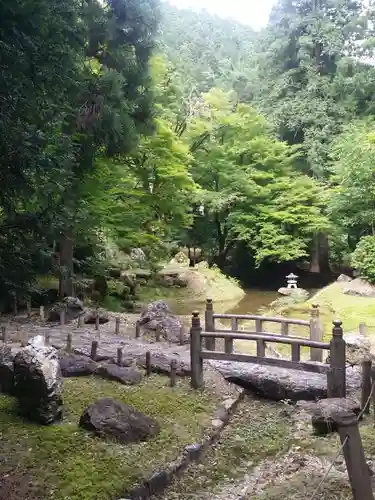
(291, 280)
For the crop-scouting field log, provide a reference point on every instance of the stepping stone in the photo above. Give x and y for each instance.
(126, 376)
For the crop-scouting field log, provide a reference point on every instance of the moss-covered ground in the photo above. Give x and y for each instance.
(64, 462)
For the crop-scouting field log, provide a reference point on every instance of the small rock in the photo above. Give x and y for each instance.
(90, 317)
(108, 418)
(126, 376)
(37, 382)
(73, 308)
(138, 255)
(216, 423)
(359, 287)
(76, 365)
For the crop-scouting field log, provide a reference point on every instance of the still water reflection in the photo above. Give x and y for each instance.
(252, 301)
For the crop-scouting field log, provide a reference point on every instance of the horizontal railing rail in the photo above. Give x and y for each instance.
(266, 319)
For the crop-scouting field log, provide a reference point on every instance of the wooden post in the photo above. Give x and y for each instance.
(119, 356)
(366, 386)
(41, 313)
(157, 335)
(196, 361)
(296, 352)
(69, 343)
(4, 334)
(28, 308)
(373, 392)
(261, 345)
(182, 335)
(97, 320)
(209, 324)
(284, 329)
(358, 471)
(173, 374)
(79, 321)
(24, 338)
(15, 304)
(362, 329)
(137, 329)
(47, 338)
(148, 363)
(94, 350)
(62, 317)
(228, 343)
(315, 334)
(117, 326)
(337, 387)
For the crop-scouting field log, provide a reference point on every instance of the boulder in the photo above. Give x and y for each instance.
(37, 382)
(300, 292)
(180, 259)
(360, 288)
(275, 383)
(73, 308)
(108, 418)
(343, 278)
(90, 316)
(323, 415)
(137, 255)
(76, 365)
(6, 370)
(158, 317)
(161, 363)
(173, 277)
(358, 348)
(122, 374)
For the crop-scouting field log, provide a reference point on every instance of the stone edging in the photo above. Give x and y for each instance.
(159, 481)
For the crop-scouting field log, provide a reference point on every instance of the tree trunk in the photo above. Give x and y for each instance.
(320, 254)
(66, 264)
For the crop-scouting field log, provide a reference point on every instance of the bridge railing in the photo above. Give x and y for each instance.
(335, 370)
(314, 327)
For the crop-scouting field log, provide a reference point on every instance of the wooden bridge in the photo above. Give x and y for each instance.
(199, 350)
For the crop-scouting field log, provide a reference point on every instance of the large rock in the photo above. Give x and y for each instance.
(38, 382)
(358, 348)
(108, 418)
(126, 376)
(359, 287)
(90, 316)
(158, 317)
(173, 277)
(76, 365)
(323, 415)
(73, 308)
(6, 370)
(161, 363)
(277, 383)
(343, 278)
(290, 292)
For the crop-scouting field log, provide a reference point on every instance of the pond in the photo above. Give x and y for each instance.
(251, 303)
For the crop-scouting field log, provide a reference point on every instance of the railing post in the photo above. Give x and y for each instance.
(196, 362)
(209, 324)
(366, 386)
(337, 375)
(228, 343)
(358, 471)
(315, 333)
(261, 345)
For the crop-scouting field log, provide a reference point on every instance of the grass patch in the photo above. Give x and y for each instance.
(64, 462)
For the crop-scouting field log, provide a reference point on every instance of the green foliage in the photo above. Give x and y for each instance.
(363, 258)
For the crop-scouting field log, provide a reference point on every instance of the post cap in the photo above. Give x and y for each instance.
(337, 323)
(209, 299)
(195, 314)
(315, 306)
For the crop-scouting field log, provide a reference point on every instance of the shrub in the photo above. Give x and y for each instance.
(363, 258)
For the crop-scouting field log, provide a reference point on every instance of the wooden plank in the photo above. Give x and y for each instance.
(282, 363)
(261, 348)
(270, 319)
(268, 337)
(366, 386)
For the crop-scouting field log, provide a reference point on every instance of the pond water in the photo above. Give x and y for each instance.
(252, 301)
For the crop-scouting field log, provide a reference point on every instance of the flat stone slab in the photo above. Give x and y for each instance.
(278, 384)
(75, 365)
(126, 376)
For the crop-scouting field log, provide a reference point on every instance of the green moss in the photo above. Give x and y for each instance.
(63, 461)
(259, 429)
